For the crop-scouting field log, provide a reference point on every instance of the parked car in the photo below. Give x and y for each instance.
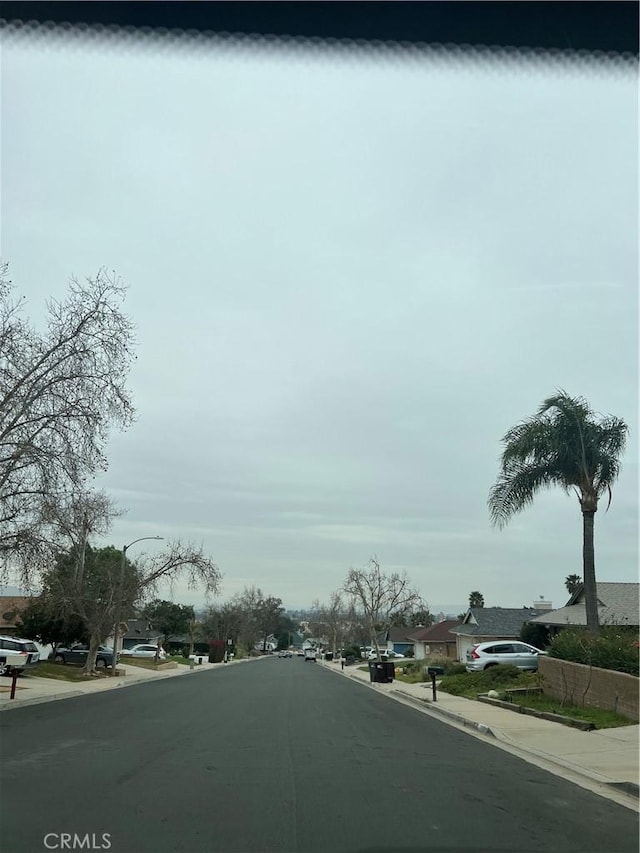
(17, 654)
(310, 654)
(144, 650)
(300, 653)
(385, 654)
(77, 654)
(285, 653)
(483, 655)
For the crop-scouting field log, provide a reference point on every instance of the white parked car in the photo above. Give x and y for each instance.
(17, 654)
(483, 655)
(143, 650)
(385, 654)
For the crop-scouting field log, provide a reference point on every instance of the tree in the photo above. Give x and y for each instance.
(421, 618)
(60, 393)
(380, 597)
(81, 583)
(177, 560)
(572, 583)
(476, 599)
(97, 598)
(169, 618)
(331, 620)
(564, 444)
(40, 620)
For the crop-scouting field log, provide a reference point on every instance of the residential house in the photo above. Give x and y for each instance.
(10, 608)
(482, 624)
(396, 640)
(436, 641)
(268, 645)
(137, 631)
(617, 605)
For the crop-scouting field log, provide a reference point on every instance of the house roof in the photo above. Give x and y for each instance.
(140, 628)
(495, 621)
(438, 633)
(617, 605)
(397, 635)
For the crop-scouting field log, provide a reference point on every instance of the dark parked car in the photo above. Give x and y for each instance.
(77, 654)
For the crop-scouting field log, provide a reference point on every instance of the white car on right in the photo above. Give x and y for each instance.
(385, 654)
(144, 650)
(483, 655)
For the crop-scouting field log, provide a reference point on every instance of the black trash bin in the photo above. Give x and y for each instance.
(388, 671)
(381, 672)
(328, 655)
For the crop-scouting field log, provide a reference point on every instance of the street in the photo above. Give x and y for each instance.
(282, 756)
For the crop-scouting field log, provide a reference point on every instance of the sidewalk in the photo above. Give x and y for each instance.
(605, 760)
(32, 689)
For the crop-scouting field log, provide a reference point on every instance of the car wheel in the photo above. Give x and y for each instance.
(101, 663)
(58, 659)
(5, 669)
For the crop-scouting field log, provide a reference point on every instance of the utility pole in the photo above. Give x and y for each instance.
(116, 629)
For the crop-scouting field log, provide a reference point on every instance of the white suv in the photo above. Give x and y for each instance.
(17, 654)
(483, 655)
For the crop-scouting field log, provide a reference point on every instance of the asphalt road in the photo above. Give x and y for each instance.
(282, 756)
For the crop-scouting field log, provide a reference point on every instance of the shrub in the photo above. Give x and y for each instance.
(451, 667)
(500, 673)
(615, 648)
(468, 683)
(352, 652)
(536, 635)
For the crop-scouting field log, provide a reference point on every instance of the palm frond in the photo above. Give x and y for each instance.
(516, 489)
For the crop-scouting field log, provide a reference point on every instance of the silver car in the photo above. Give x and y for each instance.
(483, 655)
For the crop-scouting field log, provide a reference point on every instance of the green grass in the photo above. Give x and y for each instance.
(601, 719)
(61, 672)
(503, 678)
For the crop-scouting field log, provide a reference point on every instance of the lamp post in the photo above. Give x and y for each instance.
(116, 629)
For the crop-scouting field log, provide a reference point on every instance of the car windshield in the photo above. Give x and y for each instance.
(325, 341)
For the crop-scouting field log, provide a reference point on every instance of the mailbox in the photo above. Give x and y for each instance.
(432, 672)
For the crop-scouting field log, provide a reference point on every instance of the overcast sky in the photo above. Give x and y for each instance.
(350, 276)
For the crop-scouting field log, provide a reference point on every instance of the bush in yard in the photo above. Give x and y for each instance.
(451, 667)
(501, 673)
(535, 635)
(616, 648)
(353, 652)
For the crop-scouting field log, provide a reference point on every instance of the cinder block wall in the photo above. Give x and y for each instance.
(590, 687)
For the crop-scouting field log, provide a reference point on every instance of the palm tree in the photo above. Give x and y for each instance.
(564, 445)
(476, 599)
(572, 583)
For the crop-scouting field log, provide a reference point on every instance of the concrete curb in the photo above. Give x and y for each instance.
(40, 700)
(432, 706)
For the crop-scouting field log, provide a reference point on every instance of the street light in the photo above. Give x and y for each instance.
(116, 629)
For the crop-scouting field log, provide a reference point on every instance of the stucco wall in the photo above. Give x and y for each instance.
(589, 686)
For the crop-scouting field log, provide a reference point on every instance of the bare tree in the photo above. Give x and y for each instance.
(60, 393)
(380, 597)
(330, 619)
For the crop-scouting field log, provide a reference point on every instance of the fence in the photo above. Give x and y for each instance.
(590, 687)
